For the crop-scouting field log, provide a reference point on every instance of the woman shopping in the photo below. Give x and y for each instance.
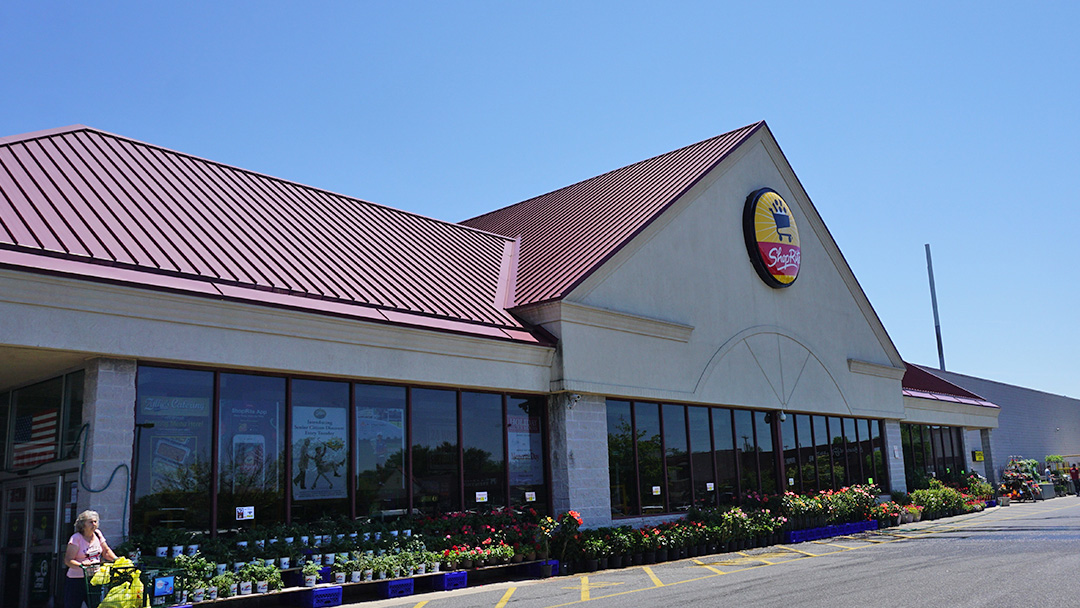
(86, 548)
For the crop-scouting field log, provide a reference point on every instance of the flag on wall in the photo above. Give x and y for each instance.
(34, 441)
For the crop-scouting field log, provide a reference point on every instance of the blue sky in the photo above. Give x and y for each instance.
(953, 125)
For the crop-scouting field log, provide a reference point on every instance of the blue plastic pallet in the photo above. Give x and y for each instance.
(450, 580)
(318, 597)
(396, 588)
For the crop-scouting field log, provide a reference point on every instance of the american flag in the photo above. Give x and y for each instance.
(35, 438)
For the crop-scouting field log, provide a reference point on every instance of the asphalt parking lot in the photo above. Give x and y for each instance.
(1003, 556)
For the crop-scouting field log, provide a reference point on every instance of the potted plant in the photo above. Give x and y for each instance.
(197, 571)
(311, 573)
(222, 584)
(341, 570)
(266, 578)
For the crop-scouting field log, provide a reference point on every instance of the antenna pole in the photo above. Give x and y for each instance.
(933, 301)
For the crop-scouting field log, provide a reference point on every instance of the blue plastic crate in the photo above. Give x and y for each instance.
(396, 588)
(534, 568)
(318, 597)
(450, 580)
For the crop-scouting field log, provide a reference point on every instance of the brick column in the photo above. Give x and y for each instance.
(109, 409)
(579, 459)
(894, 456)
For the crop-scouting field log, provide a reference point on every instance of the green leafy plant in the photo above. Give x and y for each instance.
(223, 582)
(310, 568)
(261, 572)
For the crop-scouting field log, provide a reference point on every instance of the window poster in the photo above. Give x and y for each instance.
(250, 440)
(174, 447)
(383, 429)
(526, 450)
(319, 437)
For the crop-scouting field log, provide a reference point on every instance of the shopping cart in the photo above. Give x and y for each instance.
(113, 586)
(782, 220)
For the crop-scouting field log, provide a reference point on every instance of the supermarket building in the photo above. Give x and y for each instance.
(678, 332)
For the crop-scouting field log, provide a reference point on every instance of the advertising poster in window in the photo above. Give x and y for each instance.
(319, 440)
(173, 440)
(526, 450)
(251, 445)
(383, 429)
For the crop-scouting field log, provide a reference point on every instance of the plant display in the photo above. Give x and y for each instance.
(261, 572)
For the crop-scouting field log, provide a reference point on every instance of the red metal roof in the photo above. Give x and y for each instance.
(569, 233)
(81, 201)
(923, 384)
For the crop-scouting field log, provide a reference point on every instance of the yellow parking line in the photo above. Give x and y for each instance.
(585, 589)
(799, 551)
(421, 604)
(708, 567)
(652, 575)
(833, 545)
(506, 597)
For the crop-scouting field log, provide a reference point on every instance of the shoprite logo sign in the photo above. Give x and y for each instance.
(772, 238)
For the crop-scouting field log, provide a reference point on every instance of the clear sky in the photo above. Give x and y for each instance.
(955, 125)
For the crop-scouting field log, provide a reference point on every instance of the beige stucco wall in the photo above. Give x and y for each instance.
(744, 343)
(93, 319)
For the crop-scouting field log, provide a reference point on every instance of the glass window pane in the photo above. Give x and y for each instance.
(173, 437)
(525, 438)
(251, 448)
(37, 423)
(866, 451)
(882, 471)
(791, 454)
(766, 456)
(73, 409)
(621, 468)
(650, 460)
(436, 475)
(701, 457)
(380, 450)
(851, 450)
(806, 453)
(823, 453)
(747, 452)
(482, 443)
(676, 458)
(836, 442)
(726, 469)
(320, 440)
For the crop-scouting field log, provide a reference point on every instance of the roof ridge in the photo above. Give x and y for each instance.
(46, 133)
(747, 128)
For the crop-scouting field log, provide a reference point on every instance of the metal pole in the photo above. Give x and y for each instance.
(933, 301)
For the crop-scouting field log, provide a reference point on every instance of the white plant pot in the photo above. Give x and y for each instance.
(339, 578)
(198, 595)
(316, 558)
(183, 596)
(238, 565)
(356, 576)
(435, 566)
(369, 574)
(328, 559)
(192, 549)
(162, 552)
(269, 562)
(283, 562)
(303, 540)
(260, 544)
(232, 589)
(245, 588)
(309, 580)
(220, 568)
(290, 539)
(343, 557)
(262, 586)
(211, 593)
(177, 550)
(242, 544)
(421, 569)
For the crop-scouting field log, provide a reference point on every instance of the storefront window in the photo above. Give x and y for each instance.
(36, 413)
(4, 405)
(881, 471)
(525, 442)
(173, 439)
(650, 457)
(73, 407)
(851, 453)
(807, 468)
(792, 475)
(320, 441)
(823, 453)
(701, 457)
(482, 449)
(727, 468)
(748, 461)
(380, 451)
(251, 448)
(435, 468)
(766, 457)
(676, 459)
(621, 461)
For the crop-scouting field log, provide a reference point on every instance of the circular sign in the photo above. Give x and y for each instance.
(772, 238)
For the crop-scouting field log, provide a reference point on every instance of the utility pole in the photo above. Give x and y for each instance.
(933, 301)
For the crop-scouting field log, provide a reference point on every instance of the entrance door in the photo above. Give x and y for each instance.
(38, 514)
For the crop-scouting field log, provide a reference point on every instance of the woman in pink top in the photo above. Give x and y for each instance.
(87, 547)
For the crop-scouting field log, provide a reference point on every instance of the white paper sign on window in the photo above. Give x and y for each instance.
(481, 497)
(243, 513)
(709, 486)
(530, 496)
(656, 490)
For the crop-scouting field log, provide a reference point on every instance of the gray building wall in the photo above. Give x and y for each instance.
(1032, 424)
